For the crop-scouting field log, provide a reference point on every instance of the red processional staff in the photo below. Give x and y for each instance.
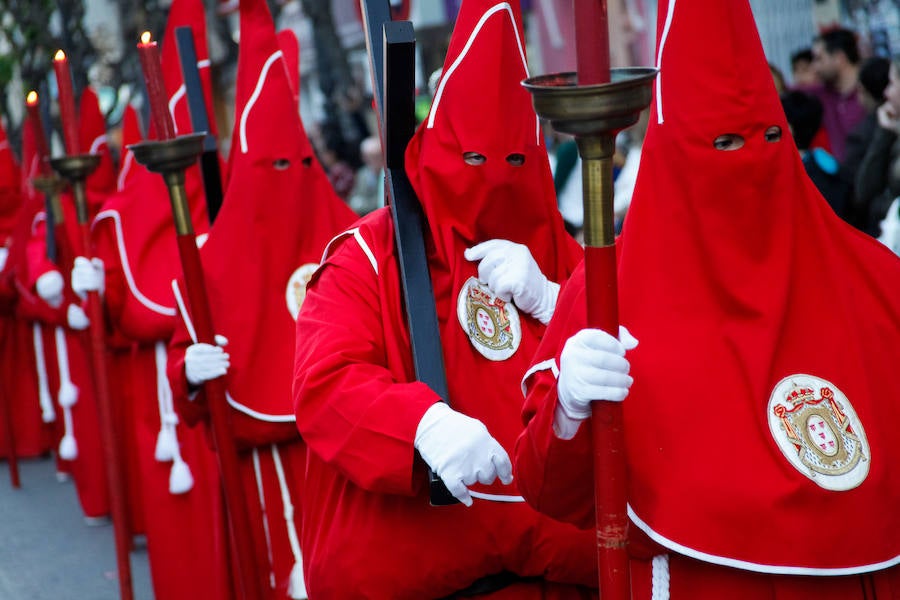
(169, 156)
(75, 167)
(594, 104)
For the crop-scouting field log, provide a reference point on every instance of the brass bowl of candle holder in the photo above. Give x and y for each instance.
(594, 114)
(170, 158)
(76, 168)
(50, 186)
(166, 156)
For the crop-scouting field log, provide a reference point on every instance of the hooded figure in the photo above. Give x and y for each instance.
(278, 213)
(759, 426)
(134, 236)
(16, 350)
(481, 174)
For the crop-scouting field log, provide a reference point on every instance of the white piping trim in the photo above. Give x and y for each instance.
(260, 82)
(257, 473)
(755, 567)
(359, 240)
(173, 102)
(48, 413)
(258, 415)
(496, 497)
(659, 54)
(98, 141)
(39, 217)
(204, 64)
(544, 365)
(182, 309)
(126, 266)
(123, 172)
(446, 76)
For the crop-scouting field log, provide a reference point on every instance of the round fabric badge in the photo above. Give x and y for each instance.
(296, 288)
(491, 323)
(819, 432)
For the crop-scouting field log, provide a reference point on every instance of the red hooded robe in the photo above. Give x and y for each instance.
(369, 531)
(279, 213)
(759, 426)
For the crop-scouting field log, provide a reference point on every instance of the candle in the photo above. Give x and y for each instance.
(66, 103)
(592, 41)
(148, 52)
(34, 113)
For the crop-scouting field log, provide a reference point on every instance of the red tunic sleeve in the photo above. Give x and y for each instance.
(354, 408)
(552, 473)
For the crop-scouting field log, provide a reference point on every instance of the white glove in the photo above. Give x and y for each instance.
(49, 287)
(76, 318)
(87, 276)
(512, 273)
(203, 362)
(461, 451)
(4, 254)
(592, 367)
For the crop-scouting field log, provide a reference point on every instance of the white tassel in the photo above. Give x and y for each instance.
(180, 479)
(68, 449)
(68, 394)
(660, 578)
(297, 585)
(166, 444)
(48, 414)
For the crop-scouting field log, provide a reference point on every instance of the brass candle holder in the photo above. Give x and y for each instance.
(76, 169)
(50, 186)
(595, 114)
(170, 158)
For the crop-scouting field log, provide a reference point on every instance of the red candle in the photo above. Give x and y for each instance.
(34, 113)
(66, 103)
(592, 41)
(148, 51)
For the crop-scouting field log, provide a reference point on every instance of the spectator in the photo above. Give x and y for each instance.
(836, 63)
(873, 79)
(802, 72)
(804, 116)
(878, 178)
(368, 190)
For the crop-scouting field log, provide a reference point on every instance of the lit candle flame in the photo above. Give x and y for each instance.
(146, 37)
(60, 55)
(31, 98)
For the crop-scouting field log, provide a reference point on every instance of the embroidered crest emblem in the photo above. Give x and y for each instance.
(296, 287)
(817, 429)
(491, 323)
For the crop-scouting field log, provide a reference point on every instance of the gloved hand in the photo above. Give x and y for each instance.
(512, 273)
(461, 451)
(203, 362)
(76, 318)
(593, 366)
(4, 254)
(49, 287)
(87, 276)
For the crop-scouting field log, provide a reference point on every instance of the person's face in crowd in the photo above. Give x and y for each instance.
(803, 73)
(825, 65)
(892, 91)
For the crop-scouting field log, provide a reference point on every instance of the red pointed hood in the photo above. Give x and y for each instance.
(131, 134)
(742, 285)
(278, 214)
(480, 106)
(186, 13)
(10, 193)
(92, 133)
